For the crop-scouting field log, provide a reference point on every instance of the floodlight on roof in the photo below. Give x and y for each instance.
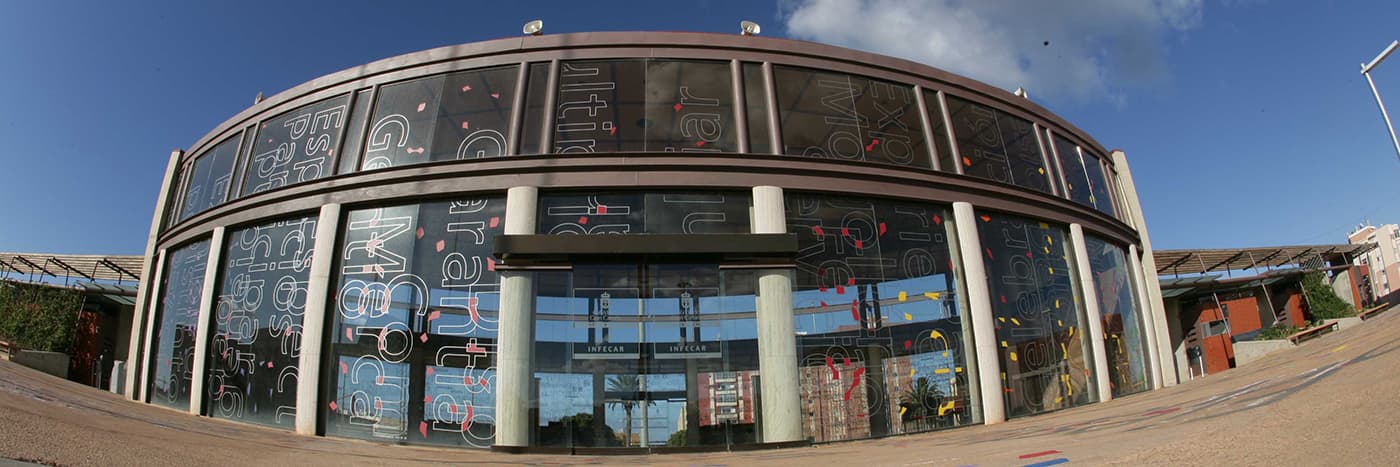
(749, 28)
(534, 28)
(1021, 93)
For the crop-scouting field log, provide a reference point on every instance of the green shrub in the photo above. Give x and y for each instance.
(38, 317)
(1279, 331)
(1323, 302)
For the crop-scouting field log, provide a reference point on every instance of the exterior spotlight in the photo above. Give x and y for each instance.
(1021, 93)
(748, 28)
(534, 28)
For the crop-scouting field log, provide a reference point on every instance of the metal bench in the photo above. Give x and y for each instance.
(1311, 333)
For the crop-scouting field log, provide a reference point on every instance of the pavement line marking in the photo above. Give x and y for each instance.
(1340, 347)
(1038, 454)
(1061, 460)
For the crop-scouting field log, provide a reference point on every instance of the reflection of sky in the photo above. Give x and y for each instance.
(917, 307)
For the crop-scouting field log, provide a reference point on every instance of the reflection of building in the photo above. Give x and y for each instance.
(460, 199)
(726, 397)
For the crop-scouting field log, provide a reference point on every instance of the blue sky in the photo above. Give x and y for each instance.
(1246, 123)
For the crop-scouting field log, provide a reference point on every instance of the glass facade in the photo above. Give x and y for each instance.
(657, 350)
(997, 146)
(462, 115)
(880, 334)
(839, 116)
(207, 184)
(1125, 343)
(295, 147)
(1043, 343)
(413, 338)
(643, 213)
(644, 105)
(256, 339)
(175, 325)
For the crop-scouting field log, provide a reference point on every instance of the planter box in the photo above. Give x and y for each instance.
(53, 363)
(1249, 351)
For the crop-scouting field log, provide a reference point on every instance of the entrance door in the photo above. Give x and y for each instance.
(655, 355)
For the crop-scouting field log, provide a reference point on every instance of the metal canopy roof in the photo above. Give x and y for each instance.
(1234, 259)
(90, 267)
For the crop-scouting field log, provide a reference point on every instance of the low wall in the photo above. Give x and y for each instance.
(53, 363)
(1344, 323)
(1249, 351)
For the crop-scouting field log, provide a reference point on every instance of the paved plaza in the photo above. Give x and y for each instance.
(1331, 401)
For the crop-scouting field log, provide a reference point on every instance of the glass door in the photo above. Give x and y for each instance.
(646, 355)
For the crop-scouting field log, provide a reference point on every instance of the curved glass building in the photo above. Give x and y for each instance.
(643, 240)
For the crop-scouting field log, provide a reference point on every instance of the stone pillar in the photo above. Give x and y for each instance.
(1091, 312)
(313, 319)
(514, 341)
(1149, 320)
(137, 386)
(206, 309)
(979, 300)
(777, 340)
(1153, 298)
(149, 277)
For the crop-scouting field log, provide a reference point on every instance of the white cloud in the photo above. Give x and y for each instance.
(1096, 48)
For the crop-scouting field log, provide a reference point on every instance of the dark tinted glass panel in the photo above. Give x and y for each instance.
(176, 324)
(1098, 185)
(256, 338)
(840, 116)
(644, 105)
(1076, 181)
(880, 335)
(644, 213)
(1042, 344)
(463, 115)
(355, 135)
(940, 132)
(296, 146)
(413, 346)
(532, 126)
(1124, 343)
(997, 146)
(756, 108)
(209, 181)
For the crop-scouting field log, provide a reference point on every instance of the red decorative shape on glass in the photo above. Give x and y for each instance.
(333, 405)
(466, 124)
(583, 220)
(466, 88)
(855, 310)
(379, 380)
(835, 374)
(677, 107)
(602, 209)
(495, 221)
(343, 368)
(845, 232)
(423, 429)
(883, 228)
(490, 264)
(422, 105)
(851, 281)
(441, 245)
(860, 244)
(430, 371)
(699, 144)
(419, 233)
(423, 338)
(908, 345)
(818, 230)
(840, 290)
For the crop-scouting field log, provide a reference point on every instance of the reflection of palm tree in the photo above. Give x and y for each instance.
(628, 386)
(920, 402)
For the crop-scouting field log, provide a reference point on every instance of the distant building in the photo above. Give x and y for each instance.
(1384, 261)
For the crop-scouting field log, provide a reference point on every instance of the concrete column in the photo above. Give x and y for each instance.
(979, 299)
(1091, 312)
(134, 357)
(514, 375)
(313, 320)
(1153, 297)
(777, 340)
(206, 309)
(136, 385)
(1149, 321)
(974, 390)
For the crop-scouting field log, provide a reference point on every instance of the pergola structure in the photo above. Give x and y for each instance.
(36, 266)
(1202, 261)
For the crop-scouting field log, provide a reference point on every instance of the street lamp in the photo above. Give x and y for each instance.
(1366, 71)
